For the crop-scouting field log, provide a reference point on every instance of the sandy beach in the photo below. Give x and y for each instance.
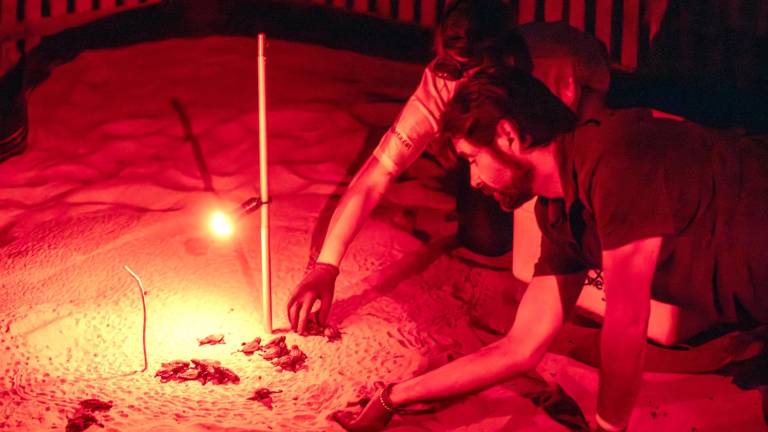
(110, 179)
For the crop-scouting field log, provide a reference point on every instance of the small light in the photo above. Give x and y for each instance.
(221, 225)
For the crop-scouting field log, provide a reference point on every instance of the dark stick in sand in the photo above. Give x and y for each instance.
(144, 306)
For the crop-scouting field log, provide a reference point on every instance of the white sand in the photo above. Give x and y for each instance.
(109, 180)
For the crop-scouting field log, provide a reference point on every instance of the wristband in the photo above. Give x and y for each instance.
(609, 427)
(327, 267)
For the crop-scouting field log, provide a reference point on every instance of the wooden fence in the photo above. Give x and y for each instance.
(21, 19)
(701, 34)
(625, 26)
(697, 28)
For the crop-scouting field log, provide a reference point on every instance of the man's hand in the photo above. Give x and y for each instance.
(374, 418)
(318, 284)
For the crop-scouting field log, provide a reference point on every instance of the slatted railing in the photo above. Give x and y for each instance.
(704, 32)
(627, 27)
(20, 19)
(423, 12)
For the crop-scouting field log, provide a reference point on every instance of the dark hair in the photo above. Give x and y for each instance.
(505, 93)
(482, 31)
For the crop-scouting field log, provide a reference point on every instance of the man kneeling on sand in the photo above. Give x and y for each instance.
(665, 209)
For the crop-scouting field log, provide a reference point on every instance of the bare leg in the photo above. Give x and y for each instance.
(583, 344)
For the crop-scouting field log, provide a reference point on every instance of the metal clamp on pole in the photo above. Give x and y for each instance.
(251, 205)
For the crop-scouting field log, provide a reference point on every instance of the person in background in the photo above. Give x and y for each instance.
(474, 35)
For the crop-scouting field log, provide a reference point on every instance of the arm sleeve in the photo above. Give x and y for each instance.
(626, 188)
(416, 125)
(559, 255)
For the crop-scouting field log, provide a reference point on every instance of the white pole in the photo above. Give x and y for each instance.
(266, 277)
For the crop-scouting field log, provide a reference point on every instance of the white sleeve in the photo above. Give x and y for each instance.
(417, 124)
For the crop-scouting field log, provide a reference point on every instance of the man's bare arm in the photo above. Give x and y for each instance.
(416, 125)
(357, 202)
(547, 302)
(362, 195)
(628, 272)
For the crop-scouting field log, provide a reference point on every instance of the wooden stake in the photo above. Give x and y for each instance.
(266, 277)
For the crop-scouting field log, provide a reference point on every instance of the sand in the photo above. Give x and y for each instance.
(110, 180)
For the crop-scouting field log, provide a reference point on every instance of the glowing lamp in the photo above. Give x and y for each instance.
(221, 225)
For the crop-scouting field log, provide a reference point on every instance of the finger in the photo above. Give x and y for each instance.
(325, 310)
(304, 314)
(344, 418)
(313, 317)
(288, 307)
(293, 313)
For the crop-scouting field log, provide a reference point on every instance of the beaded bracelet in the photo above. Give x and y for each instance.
(384, 399)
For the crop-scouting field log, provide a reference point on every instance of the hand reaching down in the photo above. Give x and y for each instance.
(318, 284)
(374, 417)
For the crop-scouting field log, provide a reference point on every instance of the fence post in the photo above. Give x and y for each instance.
(33, 11)
(405, 11)
(553, 10)
(603, 12)
(8, 13)
(360, 6)
(58, 7)
(630, 33)
(576, 14)
(384, 8)
(527, 11)
(429, 13)
(83, 5)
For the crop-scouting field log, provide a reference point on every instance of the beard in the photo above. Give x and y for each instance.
(517, 192)
(511, 201)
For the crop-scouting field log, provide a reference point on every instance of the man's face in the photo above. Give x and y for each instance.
(498, 171)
